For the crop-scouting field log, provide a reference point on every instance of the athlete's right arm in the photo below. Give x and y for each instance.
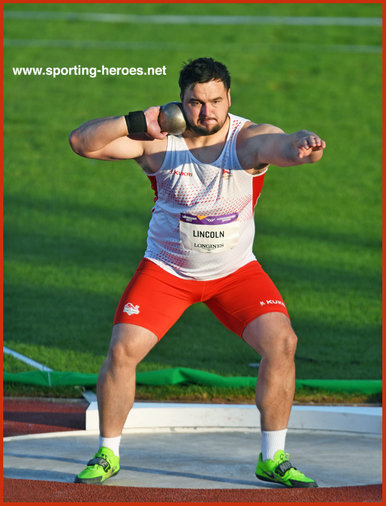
(108, 138)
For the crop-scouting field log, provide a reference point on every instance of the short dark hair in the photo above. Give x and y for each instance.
(203, 70)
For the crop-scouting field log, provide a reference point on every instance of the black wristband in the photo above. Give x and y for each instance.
(136, 122)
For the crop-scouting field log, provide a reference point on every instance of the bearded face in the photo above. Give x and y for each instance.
(206, 107)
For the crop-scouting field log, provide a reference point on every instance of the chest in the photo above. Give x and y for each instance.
(206, 154)
(193, 184)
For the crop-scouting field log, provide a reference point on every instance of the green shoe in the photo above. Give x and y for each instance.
(280, 470)
(104, 465)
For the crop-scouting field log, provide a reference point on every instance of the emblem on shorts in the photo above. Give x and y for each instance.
(131, 309)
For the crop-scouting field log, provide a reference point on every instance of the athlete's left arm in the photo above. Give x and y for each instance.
(270, 145)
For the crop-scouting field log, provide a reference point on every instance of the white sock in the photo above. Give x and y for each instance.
(112, 443)
(271, 442)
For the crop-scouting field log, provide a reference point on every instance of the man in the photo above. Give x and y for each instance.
(207, 182)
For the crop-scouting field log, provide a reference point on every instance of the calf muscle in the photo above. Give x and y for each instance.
(271, 335)
(116, 379)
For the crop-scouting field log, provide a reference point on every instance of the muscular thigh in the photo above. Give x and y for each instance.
(154, 299)
(243, 296)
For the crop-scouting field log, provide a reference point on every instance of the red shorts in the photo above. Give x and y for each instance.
(155, 299)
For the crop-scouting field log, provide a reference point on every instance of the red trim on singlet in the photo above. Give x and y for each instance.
(256, 189)
(153, 182)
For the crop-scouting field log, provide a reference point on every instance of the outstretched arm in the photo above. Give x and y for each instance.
(269, 144)
(108, 138)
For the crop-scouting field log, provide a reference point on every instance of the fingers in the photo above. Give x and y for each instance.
(156, 133)
(312, 141)
(309, 142)
(153, 128)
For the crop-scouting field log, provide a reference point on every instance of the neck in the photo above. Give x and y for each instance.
(198, 140)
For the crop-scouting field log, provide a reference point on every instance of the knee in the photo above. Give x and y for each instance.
(283, 345)
(129, 345)
(287, 343)
(121, 353)
(280, 344)
(123, 348)
(272, 335)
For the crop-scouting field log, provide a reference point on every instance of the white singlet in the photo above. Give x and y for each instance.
(202, 226)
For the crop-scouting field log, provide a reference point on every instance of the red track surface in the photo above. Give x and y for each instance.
(32, 416)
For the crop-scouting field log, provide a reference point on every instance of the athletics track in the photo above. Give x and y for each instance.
(36, 416)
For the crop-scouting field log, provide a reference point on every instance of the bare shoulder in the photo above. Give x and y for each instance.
(248, 145)
(253, 129)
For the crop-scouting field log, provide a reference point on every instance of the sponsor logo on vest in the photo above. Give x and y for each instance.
(207, 234)
(131, 309)
(180, 173)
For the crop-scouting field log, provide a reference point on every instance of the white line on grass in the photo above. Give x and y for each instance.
(197, 20)
(26, 360)
(96, 44)
(87, 394)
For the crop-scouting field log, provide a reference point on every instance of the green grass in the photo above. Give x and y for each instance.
(75, 229)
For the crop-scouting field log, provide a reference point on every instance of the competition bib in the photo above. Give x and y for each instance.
(209, 234)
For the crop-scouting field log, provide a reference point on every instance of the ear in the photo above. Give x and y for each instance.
(229, 97)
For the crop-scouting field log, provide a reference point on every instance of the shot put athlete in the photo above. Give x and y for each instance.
(207, 181)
